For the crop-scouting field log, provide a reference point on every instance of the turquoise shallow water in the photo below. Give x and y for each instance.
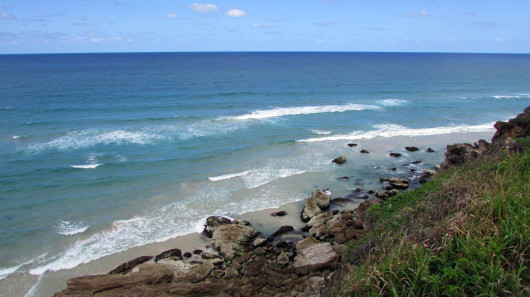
(104, 152)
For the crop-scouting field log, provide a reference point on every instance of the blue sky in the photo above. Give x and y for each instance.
(59, 26)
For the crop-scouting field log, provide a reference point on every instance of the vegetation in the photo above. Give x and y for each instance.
(464, 233)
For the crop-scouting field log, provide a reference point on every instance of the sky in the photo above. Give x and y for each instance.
(77, 26)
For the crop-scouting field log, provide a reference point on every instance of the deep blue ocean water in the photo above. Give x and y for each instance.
(104, 152)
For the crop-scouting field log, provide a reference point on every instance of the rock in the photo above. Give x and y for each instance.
(241, 222)
(172, 255)
(401, 186)
(321, 199)
(340, 160)
(259, 241)
(412, 148)
(197, 252)
(352, 144)
(314, 258)
(218, 273)
(344, 178)
(115, 284)
(319, 231)
(196, 290)
(395, 155)
(310, 210)
(459, 154)
(364, 152)
(339, 200)
(282, 259)
(187, 255)
(393, 192)
(381, 195)
(518, 127)
(417, 162)
(127, 267)
(319, 219)
(280, 213)
(198, 273)
(394, 180)
(282, 230)
(214, 222)
(362, 209)
(308, 241)
(231, 272)
(430, 150)
(232, 239)
(209, 256)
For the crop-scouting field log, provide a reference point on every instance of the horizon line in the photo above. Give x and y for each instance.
(279, 51)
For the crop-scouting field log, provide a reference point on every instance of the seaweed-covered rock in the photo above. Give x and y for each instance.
(127, 267)
(412, 148)
(321, 199)
(213, 222)
(339, 160)
(172, 255)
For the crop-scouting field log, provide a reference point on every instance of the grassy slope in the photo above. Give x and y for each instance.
(464, 233)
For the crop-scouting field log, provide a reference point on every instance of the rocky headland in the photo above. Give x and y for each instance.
(290, 262)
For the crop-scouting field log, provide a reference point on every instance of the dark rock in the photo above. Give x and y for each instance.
(417, 162)
(395, 155)
(172, 255)
(412, 148)
(306, 228)
(340, 160)
(197, 252)
(282, 230)
(518, 127)
(187, 255)
(206, 255)
(459, 154)
(362, 209)
(280, 213)
(364, 196)
(214, 222)
(352, 144)
(344, 178)
(196, 290)
(335, 211)
(393, 169)
(371, 192)
(430, 150)
(364, 152)
(339, 200)
(127, 267)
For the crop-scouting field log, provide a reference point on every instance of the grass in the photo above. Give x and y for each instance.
(464, 233)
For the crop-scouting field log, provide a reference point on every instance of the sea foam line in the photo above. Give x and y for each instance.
(302, 110)
(397, 130)
(258, 177)
(228, 176)
(87, 166)
(392, 102)
(68, 228)
(5, 272)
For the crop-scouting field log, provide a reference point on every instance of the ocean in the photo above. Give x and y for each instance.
(102, 153)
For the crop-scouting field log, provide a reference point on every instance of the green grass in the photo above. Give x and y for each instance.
(465, 233)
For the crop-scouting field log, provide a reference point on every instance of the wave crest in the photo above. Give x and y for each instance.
(302, 110)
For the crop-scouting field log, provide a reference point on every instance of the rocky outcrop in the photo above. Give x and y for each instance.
(232, 239)
(412, 148)
(172, 255)
(395, 155)
(462, 153)
(517, 127)
(212, 223)
(321, 199)
(310, 210)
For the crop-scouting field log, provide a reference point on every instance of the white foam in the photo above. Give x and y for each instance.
(68, 228)
(392, 102)
(228, 176)
(391, 130)
(506, 96)
(321, 132)
(290, 111)
(259, 177)
(34, 290)
(15, 137)
(87, 166)
(5, 272)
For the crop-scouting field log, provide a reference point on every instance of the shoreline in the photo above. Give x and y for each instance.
(51, 282)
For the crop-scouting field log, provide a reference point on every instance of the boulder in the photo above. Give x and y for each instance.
(213, 222)
(197, 274)
(127, 267)
(282, 259)
(172, 255)
(460, 153)
(306, 242)
(430, 150)
(518, 127)
(209, 256)
(321, 199)
(231, 239)
(395, 155)
(364, 152)
(314, 258)
(280, 213)
(310, 210)
(362, 209)
(259, 241)
(339, 160)
(412, 148)
(352, 144)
